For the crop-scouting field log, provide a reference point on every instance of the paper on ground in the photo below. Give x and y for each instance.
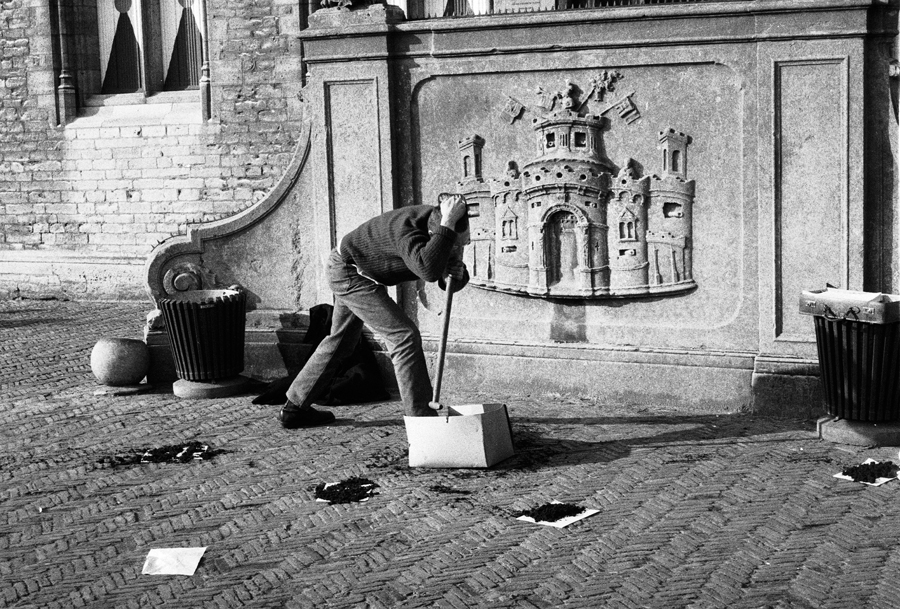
(173, 561)
(878, 481)
(564, 522)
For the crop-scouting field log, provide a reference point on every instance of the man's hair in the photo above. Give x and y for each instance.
(434, 221)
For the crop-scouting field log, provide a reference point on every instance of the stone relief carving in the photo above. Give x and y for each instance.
(341, 13)
(186, 276)
(568, 223)
(512, 110)
(347, 4)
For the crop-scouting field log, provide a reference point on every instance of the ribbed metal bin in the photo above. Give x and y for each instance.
(858, 340)
(860, 367)
(206, 330)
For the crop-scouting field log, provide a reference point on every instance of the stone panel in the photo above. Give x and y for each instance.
(704, 100)
(353, 154)
(813, 159)
(811, 205)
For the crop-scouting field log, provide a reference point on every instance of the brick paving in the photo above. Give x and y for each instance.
(696, 510)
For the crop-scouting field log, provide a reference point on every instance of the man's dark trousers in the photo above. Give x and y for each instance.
(357, 301)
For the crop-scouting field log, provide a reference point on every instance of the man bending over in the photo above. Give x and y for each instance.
(415, 242)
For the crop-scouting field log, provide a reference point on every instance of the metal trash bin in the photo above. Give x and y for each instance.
(206, 331)
(858, 339)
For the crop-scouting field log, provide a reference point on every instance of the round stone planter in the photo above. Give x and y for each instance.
(120, 361)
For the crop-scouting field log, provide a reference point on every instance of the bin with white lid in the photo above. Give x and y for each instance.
(858, 340)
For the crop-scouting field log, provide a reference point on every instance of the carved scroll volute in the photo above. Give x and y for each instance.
(186, 276)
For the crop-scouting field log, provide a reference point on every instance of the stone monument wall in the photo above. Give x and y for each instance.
(654, 185)
(675, 174)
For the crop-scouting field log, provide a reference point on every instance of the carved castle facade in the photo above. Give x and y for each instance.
(568, 225)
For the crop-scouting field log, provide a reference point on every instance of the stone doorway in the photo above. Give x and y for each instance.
(561, 250)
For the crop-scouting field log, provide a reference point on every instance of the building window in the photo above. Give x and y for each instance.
(149, 45)
(551, 140)
(119, 22)
(672, 210)
(510, 229)
(182, 47)
(580, 139)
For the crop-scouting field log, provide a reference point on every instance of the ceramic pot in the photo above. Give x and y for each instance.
(120, 361)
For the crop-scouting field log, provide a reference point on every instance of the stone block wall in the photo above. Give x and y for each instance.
(28, 148)
(82, 204)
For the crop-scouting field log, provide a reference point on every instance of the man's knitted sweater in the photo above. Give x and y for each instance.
(397, 246)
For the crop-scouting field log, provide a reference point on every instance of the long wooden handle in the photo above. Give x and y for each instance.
(442, 347)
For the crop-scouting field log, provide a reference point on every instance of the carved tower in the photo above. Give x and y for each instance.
(669, 216)
(627, 213)
(565, 191)
(479, 255)
(511, 227)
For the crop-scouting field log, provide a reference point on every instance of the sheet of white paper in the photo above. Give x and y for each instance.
(172, 561)
(878, 481)
(564, 522)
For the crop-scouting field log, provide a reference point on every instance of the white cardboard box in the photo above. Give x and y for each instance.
(474, 435)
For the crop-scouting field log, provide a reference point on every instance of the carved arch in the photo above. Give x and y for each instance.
(575, 211)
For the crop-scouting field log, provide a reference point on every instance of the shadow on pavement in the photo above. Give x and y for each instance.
(12, 324)
(556, 441)
(536, 448)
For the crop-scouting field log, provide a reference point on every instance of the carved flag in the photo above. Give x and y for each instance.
(512, 110)
(546, 99)
(627, 110)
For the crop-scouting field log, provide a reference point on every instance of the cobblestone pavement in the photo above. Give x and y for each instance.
(696, 510)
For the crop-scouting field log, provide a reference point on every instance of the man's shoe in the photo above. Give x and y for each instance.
(293, 416)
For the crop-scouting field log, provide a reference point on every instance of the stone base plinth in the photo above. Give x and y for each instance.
(212, 389)
(270, 352)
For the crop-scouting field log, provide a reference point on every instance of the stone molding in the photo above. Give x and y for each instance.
(736, 22)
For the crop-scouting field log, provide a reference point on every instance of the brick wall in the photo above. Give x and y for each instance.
(29, 149)
(81, 206)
